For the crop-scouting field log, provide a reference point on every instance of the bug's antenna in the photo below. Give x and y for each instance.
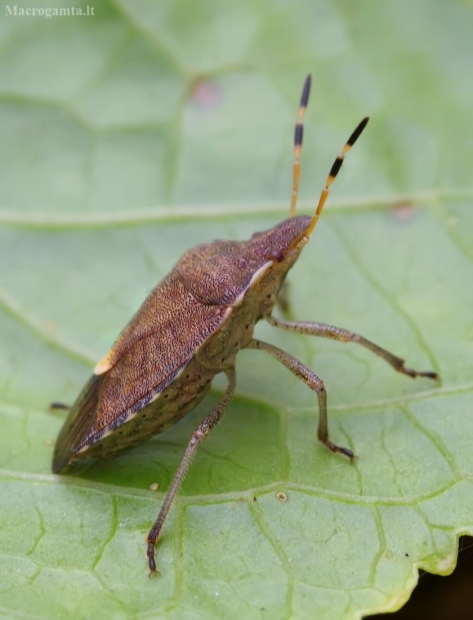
(298, 135)
(337, 164)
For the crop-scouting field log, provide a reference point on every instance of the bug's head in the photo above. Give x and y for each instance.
(220, 272)
(283, 243)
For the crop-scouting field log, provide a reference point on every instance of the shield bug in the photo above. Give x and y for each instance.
(189, 329)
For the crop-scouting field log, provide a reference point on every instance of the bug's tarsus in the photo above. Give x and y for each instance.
(198, 436)
(298, 137)
(335, 169)
(337, 449)
(56, 405)
(153, 570)
(416, 373)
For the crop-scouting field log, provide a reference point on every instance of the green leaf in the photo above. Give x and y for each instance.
(128, 137)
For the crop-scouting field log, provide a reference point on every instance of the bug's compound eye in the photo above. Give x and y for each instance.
(278, 255)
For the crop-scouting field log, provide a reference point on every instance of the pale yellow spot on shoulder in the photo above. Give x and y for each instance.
(104, 364)
(227, 312)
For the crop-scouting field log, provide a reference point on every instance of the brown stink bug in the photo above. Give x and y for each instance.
(189, 329)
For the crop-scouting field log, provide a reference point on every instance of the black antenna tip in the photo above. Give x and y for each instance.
(358, 131)
(306, 91)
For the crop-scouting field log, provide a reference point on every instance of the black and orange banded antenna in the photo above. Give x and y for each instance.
(298, 136)
(337, 164)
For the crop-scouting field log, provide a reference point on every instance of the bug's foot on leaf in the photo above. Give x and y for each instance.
(55, 406)
(153, 570)
(334, 448)
(415, 373)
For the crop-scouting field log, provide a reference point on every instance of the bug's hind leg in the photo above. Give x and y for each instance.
(197, 438)
(56, 406)
(311, 380)
(344, 335)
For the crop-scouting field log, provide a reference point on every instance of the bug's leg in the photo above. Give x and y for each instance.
(344, 335)
(197, 438)
(313, 381)
(298, 135)
(282, 300)
(59, 406)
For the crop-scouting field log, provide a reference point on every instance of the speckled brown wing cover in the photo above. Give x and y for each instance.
(179, 315)
(156, 344)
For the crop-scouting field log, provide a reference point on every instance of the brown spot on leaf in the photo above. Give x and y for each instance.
(205, 93)
(403, 211)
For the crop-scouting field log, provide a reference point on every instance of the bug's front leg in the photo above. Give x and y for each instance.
(197, 438)
(282, 300)
(344, 335)
(313, 381)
